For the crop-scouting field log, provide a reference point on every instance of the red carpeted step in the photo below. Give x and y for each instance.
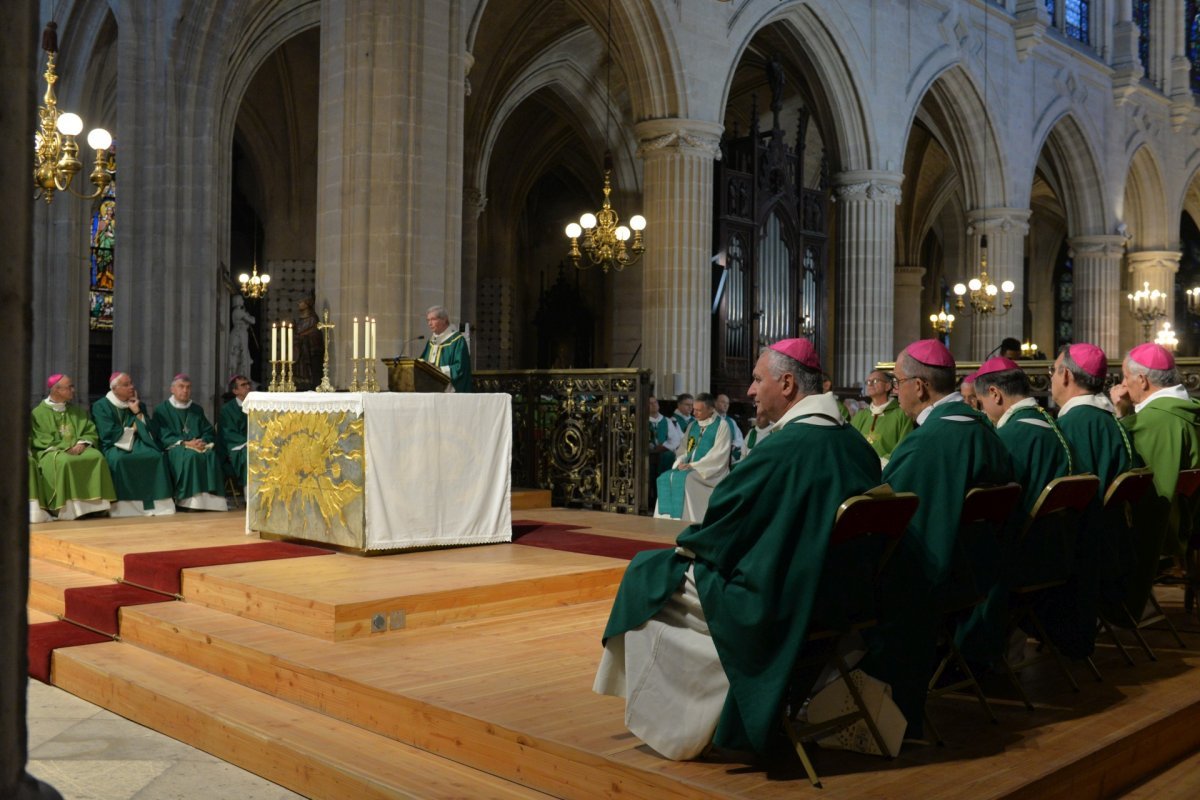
(161, 570)
(96, 607)
(560, 537)
(46, 637)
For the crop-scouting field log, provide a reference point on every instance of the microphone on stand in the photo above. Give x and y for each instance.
(408, 342)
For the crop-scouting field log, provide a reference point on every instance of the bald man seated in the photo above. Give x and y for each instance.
(139, 467)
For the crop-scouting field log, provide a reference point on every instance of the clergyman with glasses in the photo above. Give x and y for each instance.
(883, 424)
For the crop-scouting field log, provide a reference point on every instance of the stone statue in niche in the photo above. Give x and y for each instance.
(240, 322)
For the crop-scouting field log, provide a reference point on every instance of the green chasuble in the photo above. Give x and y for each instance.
(35, 486)
(231, 440)
(139, 473)
(672, 484)
(1039, 455)
(194, 473)
(63, 476)
(452, 352)
(758, 560)
(659, 432)
(883, 431)
(681, 421)
(953, 451)
(1104, 550)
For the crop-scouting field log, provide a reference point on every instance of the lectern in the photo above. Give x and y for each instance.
(414, 375)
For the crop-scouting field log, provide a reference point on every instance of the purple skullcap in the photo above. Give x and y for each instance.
(968, 379)
(53, 379)
(931, 353)
(1152, 356)
(996, 364)
(800, 350)
(182, 376)
(1090, 358)
(112, 379)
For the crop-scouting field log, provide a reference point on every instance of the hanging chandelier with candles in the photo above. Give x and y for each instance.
(981, 293)
(942, 322)
(604, 237)
(55, 150)
(254, 285)
(1147, 306)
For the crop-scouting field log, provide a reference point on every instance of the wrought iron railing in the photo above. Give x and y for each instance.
(580, 433)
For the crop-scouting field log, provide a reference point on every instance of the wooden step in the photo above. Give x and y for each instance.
(48, 582)
(343, 597)
(305, 751)
(517, 701)
(524, 499)
(35, 617)
(1180, 781)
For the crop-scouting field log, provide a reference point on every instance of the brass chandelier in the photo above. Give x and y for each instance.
(55, 151)
(254, 285)
(980, 292)
(604, 237)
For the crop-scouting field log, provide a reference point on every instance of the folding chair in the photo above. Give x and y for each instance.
(865, 532)
(981, 525)
(1044, 559)
(1119, 503)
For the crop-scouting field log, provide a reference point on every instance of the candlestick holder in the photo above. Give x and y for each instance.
(288, 384)
(325, 327)
(354, 386)
(273, 386)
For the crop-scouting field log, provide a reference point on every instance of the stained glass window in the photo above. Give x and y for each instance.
(104, 233)
(1064, 299)
(1050, 10)
(1076, 19)
(1141, 18)
(1192, 31)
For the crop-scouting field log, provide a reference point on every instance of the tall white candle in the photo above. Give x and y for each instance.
(355, 337)
(274, 341)
(291, 351)
(372, 337)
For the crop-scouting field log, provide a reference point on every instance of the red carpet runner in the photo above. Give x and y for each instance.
(98, 607)
(565, 537)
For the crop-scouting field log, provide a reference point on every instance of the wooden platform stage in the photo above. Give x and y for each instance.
(479, 684)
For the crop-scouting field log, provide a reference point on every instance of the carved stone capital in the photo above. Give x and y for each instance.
(673, 136)
(1003, 221)
(474, 200)
(867, 186)
(1104, 246)
(1150, 260)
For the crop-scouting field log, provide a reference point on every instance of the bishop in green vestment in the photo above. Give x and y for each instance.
(37, 506)
(701, 463)
(1039, 454)
(953, 449)
(702, 638)
(135, 458)
(1165, 425)
(1104, 556)
(883, 424)
(190, 442)
(73, 477)
(685, 404)
(447, 349)
(231, 433)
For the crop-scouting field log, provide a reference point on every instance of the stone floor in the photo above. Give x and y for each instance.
(88, 753)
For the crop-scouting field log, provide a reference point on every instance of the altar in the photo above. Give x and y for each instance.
(379, 471)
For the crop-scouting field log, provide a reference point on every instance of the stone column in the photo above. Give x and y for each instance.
(1180, 82)
(678, 156)
(1006, 229)
(474, 203)
(866, 206)
(908, 322)
(389, 167)
(1156, 268)
(1098, 298)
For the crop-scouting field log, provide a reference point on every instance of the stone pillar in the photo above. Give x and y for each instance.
(908, 323)
(1006, 229)
(1180, 82)
(1156, 268)
(678, 156)
(1127, 67)
(474, 203)
(389, 167)
(866, 206)
(1098, 298)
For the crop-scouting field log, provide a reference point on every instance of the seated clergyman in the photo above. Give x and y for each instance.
(701, 462)
(883, 424)
(73, 478)
(231, 435)
(702, 638)
(135, 458)
(189, 441)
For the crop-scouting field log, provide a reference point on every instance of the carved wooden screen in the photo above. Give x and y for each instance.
(772, 233)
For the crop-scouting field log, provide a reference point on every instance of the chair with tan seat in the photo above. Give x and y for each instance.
(1043, 558)
(865, 532)
(985, 515)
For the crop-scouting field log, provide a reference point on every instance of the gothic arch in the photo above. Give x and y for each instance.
(1145, 204)
(1082, 185)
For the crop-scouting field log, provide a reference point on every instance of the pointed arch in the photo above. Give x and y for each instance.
(1080, 182)
(1145, 204)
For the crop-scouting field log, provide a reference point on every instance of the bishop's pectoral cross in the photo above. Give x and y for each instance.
(325, 326)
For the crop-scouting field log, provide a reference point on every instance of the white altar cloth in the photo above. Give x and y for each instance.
(419, 470)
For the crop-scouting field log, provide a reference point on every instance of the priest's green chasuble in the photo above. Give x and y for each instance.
(885, 430)
(63, 476)
(231, 439)
(193, 472)
(139, 473)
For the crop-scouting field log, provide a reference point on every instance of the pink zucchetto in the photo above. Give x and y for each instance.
(931, 353)
(968, 379)
(800, 350)
(182, 376)
(112, 379)
(1090, 358)
(53, 379)
(1152, 356)
(996, 364)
